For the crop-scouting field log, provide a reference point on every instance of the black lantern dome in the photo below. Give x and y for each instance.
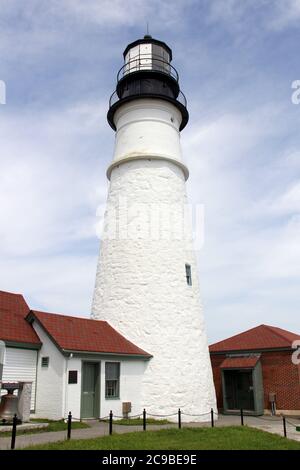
(147, 73)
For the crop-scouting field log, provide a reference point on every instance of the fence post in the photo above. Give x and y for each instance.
(212, 417)
(110, 422)
(144, 420)
(14, 432)
(284, 426)
(179, 418)
(69, 425)
(242, 417)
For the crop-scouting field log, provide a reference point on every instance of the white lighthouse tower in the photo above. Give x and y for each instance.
(147, 283)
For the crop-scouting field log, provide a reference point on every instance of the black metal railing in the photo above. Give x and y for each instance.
(150, 63)
(209, 417)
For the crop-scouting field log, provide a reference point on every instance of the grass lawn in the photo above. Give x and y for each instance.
(52, 427)
(222, 438)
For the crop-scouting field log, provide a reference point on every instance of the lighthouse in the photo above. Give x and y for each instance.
(147, 284)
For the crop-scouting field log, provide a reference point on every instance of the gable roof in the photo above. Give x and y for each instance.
(258, 338)
(13, 327)
(240, 362)
(85, 335)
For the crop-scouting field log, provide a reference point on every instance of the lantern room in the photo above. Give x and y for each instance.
(147, 73)
(147, 54)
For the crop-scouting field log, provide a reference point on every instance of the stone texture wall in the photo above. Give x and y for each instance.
(141, 286)
(24, 395)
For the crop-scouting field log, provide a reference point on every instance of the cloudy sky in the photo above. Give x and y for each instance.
(237, 60)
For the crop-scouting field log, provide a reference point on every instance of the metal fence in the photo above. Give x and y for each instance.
(112, 419)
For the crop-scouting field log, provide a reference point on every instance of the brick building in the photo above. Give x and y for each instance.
(255, 368)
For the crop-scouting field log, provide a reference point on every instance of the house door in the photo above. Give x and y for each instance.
(239, 389)
(90, 394)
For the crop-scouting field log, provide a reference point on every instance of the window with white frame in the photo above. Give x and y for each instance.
(112, 380)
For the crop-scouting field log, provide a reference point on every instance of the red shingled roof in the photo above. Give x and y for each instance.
(83, 334)
(239, 362)
(13, 327)
(258, 338)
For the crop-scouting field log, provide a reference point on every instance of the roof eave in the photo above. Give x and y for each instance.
(31, 317)
(77, 353)
(256, 350)
(21, 344)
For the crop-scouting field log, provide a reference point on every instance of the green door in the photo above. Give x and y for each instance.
(239, 389)
(90, 390)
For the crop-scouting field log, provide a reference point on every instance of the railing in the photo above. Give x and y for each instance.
(149, 62)
(115, 98)
(210, 417)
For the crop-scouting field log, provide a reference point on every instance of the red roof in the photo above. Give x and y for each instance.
(239, 362)
(83, 334)
(258, 338)
(13, 327)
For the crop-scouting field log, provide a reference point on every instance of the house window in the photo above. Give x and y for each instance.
(188, 273)
(72, 377)
(112, 379)
(45, 361)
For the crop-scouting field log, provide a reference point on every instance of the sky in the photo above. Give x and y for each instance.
(237, 60)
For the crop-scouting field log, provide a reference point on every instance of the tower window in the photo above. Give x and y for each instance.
(188, 273)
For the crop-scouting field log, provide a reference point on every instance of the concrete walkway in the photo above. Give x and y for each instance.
(265, 423)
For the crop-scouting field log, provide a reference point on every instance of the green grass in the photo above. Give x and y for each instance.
(53, 426)
(222, 438)
(138, 421)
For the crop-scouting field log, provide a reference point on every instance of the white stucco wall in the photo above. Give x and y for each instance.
(50, 380)
(147, 128)
(55, 397)
(141, 286)
(72, 396)
(131, 373)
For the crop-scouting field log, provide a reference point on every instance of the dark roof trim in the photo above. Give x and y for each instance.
(249, 351)
(21, 345)
(96, 353)
(147, 41)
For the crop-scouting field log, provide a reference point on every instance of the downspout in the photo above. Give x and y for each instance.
(66, 385)
(2, 353)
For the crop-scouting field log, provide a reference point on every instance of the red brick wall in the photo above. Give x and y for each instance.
(280, 376)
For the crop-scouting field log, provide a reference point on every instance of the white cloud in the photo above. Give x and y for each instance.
(242, 150)
(249, 249)
(60, 284)
(286, 14)
(48, 194)
(268, 15)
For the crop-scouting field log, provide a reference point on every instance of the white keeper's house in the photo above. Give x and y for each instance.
(75, 364)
